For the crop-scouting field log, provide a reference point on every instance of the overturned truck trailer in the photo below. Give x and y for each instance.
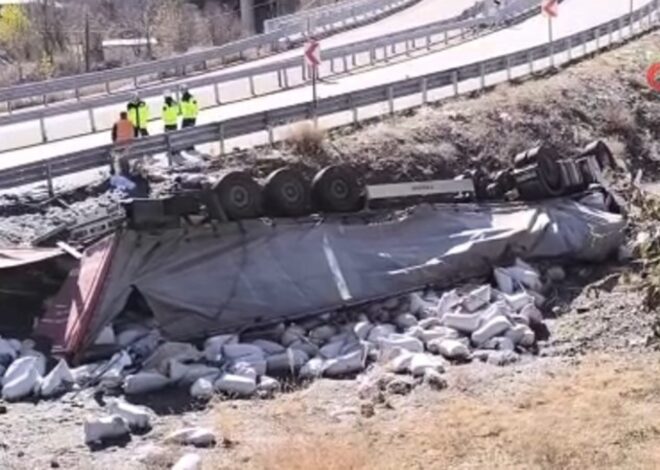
(224, 278)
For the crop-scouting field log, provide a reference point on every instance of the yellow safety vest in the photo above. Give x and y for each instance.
(189, 109)
(139, 115)
(170, 114)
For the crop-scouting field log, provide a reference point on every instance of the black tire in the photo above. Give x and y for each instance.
(337, 189)
(287, 194)
(239, 195)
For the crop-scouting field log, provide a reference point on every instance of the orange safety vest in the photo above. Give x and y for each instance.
(125, 131)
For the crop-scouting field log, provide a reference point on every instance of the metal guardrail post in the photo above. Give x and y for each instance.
(354, 110)
(216, 93)
(285, 76)
(620, 29)
(597, 39)
(584, 44)
(454, 81)
(569, 48)
(428, 42)
(390, 99)
(372, 58)
(424, 85)
(49, 180)
(344, 64)
(76, 92)
(447, 37)
(508, 68)
(530, 61)
(609, 33)
(221, 138)
(482, 76)
(42, 127)
(251, 80)
(107, 88)
(92, 121)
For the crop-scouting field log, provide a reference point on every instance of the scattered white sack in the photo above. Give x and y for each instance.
(346, 364)
(420, 363)
(137, 417)
(198, 437)
(502, 358)
(362, 329)
(237, 385)
(256, 363)
(291, 334)
(433, 333)
(186, 374)
(106, 427)
(333, 348)
(288, 362)
(106, 337)
(477, 298)
(521, 334)
(14, 343)
(202, 389)
(496, 309)
(236, 351)
(505, 344)
(400, 363)
(380, 331)
(504, 281)
(312, 368)
(112, 375)
(145, 345)
(532, 313)
(40, 363)
(58, 380)
(268, 385)
(243, 369)
(405, 320)
(397, 341)
(305, 346)
(493, 327)
(21, 378)
(189, 461)
(525, 275)
(448, 302)
(518, 300)
(213, 346)
(268, 347)
(420, 307)
(430, 322)
(461, 322)
(183, 352)
(449, 348)
(323, 333)
(144, 382)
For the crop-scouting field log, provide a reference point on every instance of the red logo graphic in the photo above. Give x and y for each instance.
(652, 75)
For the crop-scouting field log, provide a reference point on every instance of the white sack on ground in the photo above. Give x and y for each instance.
(21, 379)
(136, 417)
(236, 385)
(166, 352)
(106, 427)
(58, 380)
(198, 437)
(189, 461)
(202, 389)
(144, 382)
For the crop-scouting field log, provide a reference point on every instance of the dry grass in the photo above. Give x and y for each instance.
(305, 139)
(605, 414)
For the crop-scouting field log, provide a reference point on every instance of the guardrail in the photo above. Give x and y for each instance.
(268, 120)
(343, 56)
(178, 66)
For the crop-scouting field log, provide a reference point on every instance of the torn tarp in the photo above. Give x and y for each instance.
(207, 281)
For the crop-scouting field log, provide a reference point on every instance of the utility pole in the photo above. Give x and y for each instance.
(87, 47)
(247, 17)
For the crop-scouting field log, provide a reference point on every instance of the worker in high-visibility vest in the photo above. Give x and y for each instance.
(138, 114)
(170, 113)
(189, 109)
(123, 130)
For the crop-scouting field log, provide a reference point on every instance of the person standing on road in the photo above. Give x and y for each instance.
(189, 108)
(123, 130)
(170, 113)
(189, 111)
(138, 114)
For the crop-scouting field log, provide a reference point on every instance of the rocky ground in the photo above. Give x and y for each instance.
(589, 399)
